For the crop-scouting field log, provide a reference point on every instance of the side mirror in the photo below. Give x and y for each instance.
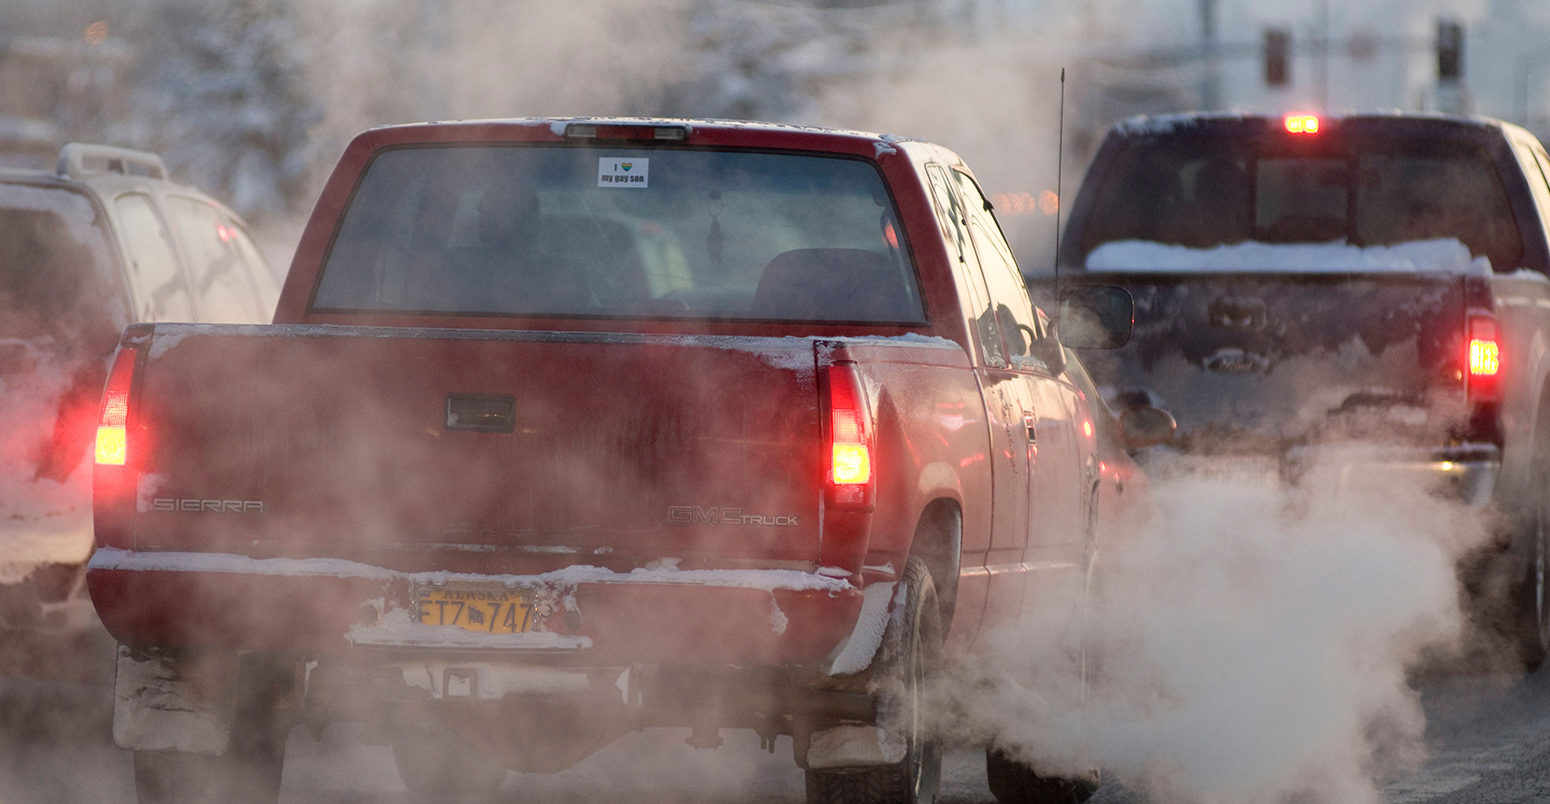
(1095, 316)
(1050, 352)
(1146, 426)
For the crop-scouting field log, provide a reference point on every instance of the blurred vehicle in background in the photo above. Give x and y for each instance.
(1367, 294)
(102, 241)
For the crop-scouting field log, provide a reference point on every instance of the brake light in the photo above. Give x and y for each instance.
(1302, 123)
(1484, 357)
(113, 427)
(628, 132)
(850, 438)
(1484, 354)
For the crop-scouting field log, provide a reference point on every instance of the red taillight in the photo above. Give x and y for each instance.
(113, 427)
(1302, 123)
(1484, 358)
(850, 438)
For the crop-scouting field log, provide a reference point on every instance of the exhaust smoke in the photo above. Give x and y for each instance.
(1254, 643)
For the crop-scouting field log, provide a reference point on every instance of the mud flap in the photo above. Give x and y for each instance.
(855, 747)
(180, 703)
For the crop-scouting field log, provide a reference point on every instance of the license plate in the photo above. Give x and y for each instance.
(491, 610)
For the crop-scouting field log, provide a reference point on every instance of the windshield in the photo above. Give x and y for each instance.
(1203, 192)
(621, 232)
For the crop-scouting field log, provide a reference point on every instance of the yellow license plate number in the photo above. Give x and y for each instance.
(491, 611)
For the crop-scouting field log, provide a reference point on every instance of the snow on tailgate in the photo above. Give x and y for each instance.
(1445, 255)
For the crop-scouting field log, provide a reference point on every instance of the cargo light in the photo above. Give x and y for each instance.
(113, 427)
(850, 438)
(1302, 123)
(1484, 357)
(629, 132)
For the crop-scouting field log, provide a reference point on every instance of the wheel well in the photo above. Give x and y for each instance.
(938, 542)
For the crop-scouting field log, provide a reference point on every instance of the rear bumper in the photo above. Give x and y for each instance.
(330, 607)
(1466, 473)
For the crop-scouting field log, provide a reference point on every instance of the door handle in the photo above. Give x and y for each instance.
(1030, 425)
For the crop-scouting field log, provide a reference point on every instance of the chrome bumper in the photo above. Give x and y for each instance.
(1466, 473)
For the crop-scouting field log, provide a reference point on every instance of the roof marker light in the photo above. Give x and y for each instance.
(1302, 123)
(630, 132)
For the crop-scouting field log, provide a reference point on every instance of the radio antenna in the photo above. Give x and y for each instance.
(1060, 153)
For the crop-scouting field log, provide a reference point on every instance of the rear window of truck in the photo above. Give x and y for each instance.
(1204, 191)
(621, 232)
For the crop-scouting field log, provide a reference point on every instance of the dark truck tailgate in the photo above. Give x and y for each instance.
(1265, 361)
(475, 450)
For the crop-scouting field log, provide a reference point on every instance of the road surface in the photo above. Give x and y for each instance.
(1488, 742)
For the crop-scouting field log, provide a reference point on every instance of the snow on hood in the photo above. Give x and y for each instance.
(1446, 255)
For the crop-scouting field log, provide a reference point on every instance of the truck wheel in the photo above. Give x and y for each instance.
(441, 763)
(909, 658)
(248, 773)
(1534, 595)
(1012, 782)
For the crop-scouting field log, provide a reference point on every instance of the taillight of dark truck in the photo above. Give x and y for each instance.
(1481, 366)
(1484, 359)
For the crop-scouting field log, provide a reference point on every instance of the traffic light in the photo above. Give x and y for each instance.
(1450, 51)
(1278, 57)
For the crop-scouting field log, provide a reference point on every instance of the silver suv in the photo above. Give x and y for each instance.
(104, 240)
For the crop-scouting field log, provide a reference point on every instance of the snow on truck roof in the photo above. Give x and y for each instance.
(1168, 123)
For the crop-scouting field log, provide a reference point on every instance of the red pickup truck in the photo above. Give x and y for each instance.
(568, 428)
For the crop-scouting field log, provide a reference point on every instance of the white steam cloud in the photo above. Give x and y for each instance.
(1254, 645)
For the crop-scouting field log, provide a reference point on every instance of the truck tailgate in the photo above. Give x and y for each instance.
(476, 450)
(1267, 361)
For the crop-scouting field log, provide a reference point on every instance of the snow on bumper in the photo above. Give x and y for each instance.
(335, 606)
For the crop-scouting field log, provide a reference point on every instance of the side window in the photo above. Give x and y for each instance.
(217, 276)
(1537, 172)
(950, 216)
(160, 294)
(949, 212)
(259, 272)
(1008, 294)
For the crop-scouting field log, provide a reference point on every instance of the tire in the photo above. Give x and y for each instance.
(443, 765)
(910, 657)
(1012, 782)
(1533, 596)
(248, 773)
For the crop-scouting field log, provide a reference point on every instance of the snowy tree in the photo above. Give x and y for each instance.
(218, 93)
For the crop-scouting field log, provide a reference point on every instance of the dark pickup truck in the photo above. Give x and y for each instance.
(1367, 292)
(567, 428)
